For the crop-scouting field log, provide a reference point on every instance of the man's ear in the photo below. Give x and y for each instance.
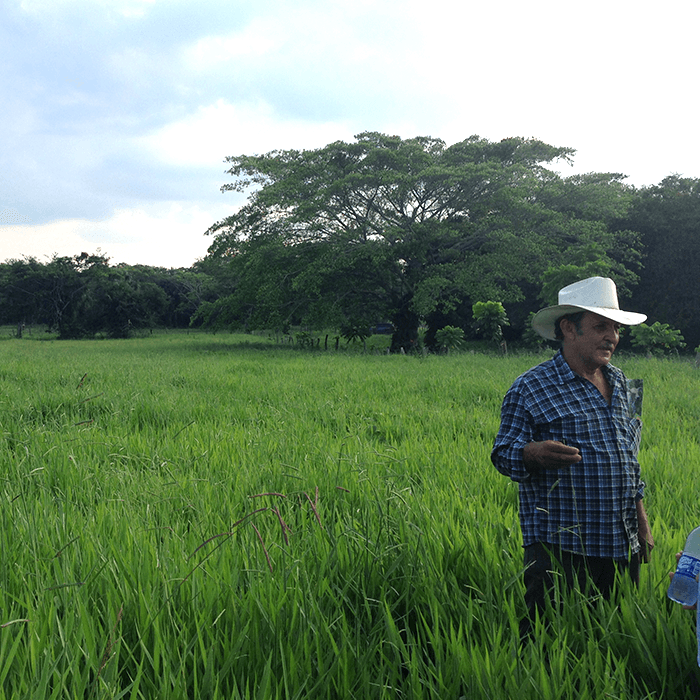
(568, 328)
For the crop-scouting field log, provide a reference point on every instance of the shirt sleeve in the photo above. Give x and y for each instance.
(516, 431)
(634, 426)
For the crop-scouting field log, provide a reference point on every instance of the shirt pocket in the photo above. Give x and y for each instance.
(581, 430)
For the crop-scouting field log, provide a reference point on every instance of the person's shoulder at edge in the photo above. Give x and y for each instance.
(614, 370)
(544, 370)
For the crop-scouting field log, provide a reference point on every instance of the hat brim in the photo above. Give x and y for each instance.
(544, 321)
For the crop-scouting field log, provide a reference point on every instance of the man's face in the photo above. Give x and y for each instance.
(595, 342)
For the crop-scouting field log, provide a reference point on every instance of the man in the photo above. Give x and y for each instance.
(567, 439)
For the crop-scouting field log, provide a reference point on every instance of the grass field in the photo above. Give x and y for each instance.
(197, 516)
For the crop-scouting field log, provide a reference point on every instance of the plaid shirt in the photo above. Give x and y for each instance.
(589, 507)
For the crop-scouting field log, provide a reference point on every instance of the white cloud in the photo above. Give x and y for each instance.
(12, 216)
(222, 129)
(164, 235)
(134, 8)
(210, 52)
(127, 8)
(41, 242)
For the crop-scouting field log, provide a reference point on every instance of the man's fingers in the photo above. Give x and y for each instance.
(563, 455)
(551, 454)
(562, 448)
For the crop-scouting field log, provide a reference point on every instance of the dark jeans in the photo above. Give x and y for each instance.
(545, 563)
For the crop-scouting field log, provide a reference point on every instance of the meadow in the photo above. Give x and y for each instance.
(216, 516)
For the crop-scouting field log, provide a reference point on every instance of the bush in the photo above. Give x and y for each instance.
(489, 319)
(449, 338)
(530, 337)
(657, 339)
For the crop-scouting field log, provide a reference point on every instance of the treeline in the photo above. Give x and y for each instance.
(382, 229)
(83, 295)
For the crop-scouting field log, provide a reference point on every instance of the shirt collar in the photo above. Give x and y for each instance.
(566, 374)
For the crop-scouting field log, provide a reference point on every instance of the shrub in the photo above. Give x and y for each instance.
(449, 338)
(531, 338)
(489, 319)
(657, 339)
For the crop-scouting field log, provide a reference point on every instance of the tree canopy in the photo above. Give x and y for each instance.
(667, 217)
(385, 228)
(82, 295)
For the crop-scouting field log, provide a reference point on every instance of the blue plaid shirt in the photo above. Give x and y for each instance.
(589, 507)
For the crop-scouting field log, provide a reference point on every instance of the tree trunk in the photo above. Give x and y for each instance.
(405, 337)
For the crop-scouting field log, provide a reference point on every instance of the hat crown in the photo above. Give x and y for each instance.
(596, 292)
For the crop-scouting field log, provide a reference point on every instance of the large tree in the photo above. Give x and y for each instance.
(401, 228)
(667, 217)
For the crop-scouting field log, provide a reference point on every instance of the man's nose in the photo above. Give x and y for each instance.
(612, 334)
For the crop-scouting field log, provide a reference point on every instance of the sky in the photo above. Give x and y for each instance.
(116, 116)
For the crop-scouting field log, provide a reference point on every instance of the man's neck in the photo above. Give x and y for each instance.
(593, 373)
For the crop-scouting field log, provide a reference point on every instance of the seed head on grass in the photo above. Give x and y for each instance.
(230, 532)
(267, 556)
(314, 506)
(283, 525)
(110, 643)
(13, 622)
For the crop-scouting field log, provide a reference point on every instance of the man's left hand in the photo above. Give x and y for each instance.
(646, 539)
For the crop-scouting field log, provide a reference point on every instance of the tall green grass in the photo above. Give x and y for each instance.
(190, 516)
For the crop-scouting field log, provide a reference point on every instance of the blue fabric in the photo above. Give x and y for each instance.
(589, 507)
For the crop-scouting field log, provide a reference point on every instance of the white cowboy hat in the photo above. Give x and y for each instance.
(596, 294)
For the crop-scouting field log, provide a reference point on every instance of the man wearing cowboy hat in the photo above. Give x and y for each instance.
(567, 440)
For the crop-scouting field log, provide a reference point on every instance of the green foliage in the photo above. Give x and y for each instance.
(667, 217)
(531, 339)
(304, 339)
(489, 319)
(403, 229)
(590, 261)
(83, 295)
(449, 338)
(657, 338)
(356, 331)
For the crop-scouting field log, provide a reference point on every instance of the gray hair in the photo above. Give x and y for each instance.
(575, 318)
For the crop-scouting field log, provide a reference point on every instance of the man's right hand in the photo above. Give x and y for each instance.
(550, 454)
